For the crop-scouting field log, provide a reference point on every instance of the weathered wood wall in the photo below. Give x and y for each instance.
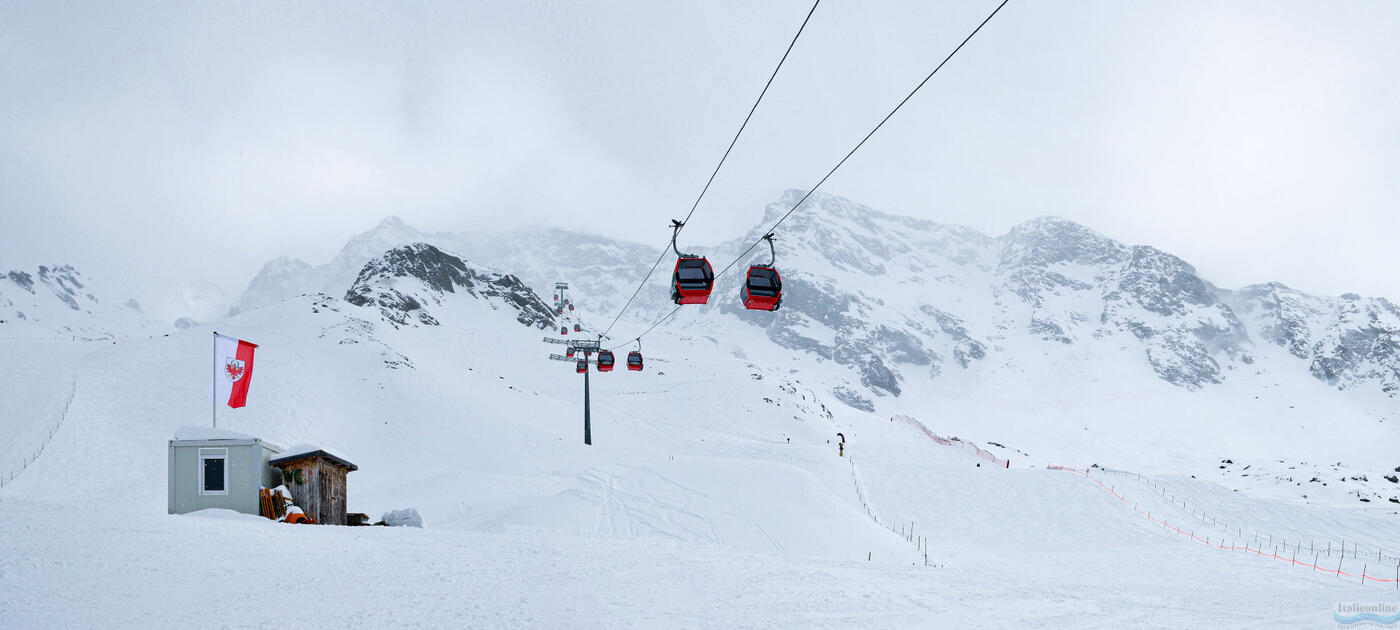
(322, 491)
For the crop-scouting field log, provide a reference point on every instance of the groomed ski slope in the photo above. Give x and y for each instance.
(691, 509)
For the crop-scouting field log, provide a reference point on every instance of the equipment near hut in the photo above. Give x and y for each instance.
(316, 478)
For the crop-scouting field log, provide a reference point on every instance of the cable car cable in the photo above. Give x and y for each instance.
(853, 150)
(722, 159)
(867, 136)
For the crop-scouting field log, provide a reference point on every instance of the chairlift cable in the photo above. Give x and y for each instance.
(867, 137)
(848, 155)
(722, 159)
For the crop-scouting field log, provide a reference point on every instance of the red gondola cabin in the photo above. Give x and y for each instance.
(692, 280)
(605, 361)
(634, 361)
(582, 366)
(763, 289)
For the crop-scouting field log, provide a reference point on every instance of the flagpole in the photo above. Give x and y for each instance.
(214, 383)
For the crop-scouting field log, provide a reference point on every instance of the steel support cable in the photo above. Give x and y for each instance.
(722, 159)
(853, 150)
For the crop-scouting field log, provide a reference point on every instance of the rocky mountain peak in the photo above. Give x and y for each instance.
(405, 281)
(1051, 240)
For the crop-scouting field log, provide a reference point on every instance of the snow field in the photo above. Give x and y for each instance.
(692, 509)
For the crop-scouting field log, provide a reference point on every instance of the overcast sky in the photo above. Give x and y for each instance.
(1257, 140)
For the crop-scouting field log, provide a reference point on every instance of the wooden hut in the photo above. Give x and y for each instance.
(316, 477)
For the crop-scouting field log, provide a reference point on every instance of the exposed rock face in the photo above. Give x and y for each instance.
(1347, 341)
(438, 273)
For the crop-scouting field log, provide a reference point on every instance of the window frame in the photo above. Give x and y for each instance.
(212, 453)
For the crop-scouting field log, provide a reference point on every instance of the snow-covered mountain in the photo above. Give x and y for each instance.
(59, 301)
(286, 276)
(406, 282)
(902, 301)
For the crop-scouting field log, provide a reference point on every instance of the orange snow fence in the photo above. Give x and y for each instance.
(1220, 545)
(968, 447)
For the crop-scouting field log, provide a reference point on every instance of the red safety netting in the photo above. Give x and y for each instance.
(1220, 545)
(969, 447)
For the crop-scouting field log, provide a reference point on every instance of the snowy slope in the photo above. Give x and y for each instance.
(713, 494)
(61, 302)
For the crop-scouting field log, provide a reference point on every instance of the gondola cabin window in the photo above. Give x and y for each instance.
(213, 471)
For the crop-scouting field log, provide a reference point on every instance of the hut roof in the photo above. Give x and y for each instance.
(306, 451)
(209, 433)
(209, 436)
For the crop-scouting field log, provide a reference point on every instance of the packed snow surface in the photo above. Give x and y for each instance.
(714, 494)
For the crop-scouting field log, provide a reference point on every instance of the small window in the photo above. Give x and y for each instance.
(213, 471)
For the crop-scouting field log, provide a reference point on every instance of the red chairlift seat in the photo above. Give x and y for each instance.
(605, 361)
(763, 289)
(634, 361)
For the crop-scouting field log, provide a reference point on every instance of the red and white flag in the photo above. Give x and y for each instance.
(233, 369)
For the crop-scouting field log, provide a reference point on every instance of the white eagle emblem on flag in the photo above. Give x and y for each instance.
(233, 369)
